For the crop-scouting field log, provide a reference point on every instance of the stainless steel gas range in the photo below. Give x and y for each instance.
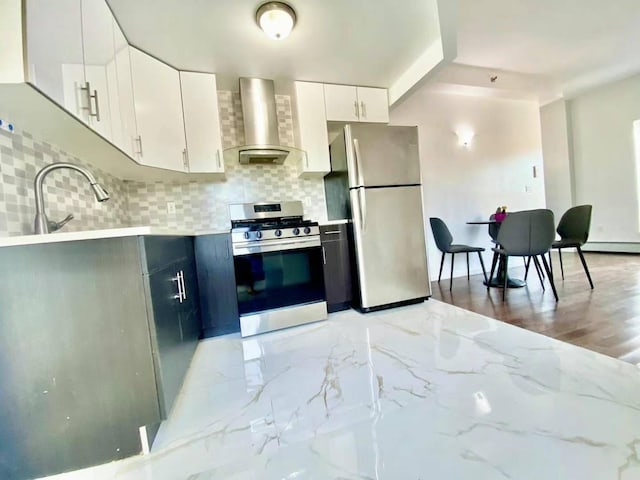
(278, 266)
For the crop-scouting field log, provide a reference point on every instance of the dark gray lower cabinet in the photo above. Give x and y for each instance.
(337, 266)
(94, 344)
(217, 284)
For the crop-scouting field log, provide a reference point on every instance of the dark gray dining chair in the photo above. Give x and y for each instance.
(529, 233)
(444, 242)
(574, 229)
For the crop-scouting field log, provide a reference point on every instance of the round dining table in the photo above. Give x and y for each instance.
(498, 280)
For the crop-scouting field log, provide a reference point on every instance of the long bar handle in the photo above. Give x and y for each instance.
(185, 160)
(218, 158)
(355, 106)
(177, 279)
(139, 140)
(97, 101)
(363, 109)
(324, 256)
(356, 161)
(363, 208)
(331, 232)
(184, 288)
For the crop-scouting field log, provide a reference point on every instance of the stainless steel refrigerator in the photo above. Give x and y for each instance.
(375, 181)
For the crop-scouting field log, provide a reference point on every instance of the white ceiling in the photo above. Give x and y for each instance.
(361, 42)
(575, 44)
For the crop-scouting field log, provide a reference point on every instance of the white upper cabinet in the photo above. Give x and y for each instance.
(312, 123)
(345, 103)
(55, 52)
(201, 122)
(374, 104)
(158, 106)
(341, 103)
(99, 58)
(124, 131)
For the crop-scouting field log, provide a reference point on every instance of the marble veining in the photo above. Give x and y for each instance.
(427, 391)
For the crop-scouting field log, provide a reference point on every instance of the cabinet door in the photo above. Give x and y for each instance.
(167, 334)
(201, 122)
(217, 285)
(337, 266)
(341, 103)
(54, 52)
(99, 54)
(125, 136)
(312, 120)
(373, 104)
(158, 106)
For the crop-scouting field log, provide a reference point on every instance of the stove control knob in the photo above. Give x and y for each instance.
(259, 234)
(246, 235)
(278, 233)
(307, 230)
(296, 231)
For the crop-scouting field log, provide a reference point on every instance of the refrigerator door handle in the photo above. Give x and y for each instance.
(363, 208)
(356, 160)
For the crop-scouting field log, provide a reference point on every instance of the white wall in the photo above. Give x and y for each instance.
(464, 184)
(556, 152)
(604, 161)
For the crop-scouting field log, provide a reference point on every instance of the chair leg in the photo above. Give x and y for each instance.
(506, 276)
(484, 272)
(539, 270)
(467, 265)
(584, 264)
(441, 265)
(451, 278)
(527, 262)
(561, 266)
(550, 263)
(550, 275)
(494, 262)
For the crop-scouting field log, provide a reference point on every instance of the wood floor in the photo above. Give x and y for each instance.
(606, 319)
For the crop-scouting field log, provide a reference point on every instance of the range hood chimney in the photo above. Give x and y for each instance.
(262, 143)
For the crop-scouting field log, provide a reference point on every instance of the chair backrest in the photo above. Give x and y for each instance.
(575, 224)
(530, 232)
(441, 234)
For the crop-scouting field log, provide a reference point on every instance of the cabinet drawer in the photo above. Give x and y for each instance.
(160, 251)
(333, 232)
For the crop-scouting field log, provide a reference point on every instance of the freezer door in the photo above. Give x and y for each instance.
(382, 155)
(390, 245)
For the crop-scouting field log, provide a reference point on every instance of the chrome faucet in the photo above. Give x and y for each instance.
(42, 223)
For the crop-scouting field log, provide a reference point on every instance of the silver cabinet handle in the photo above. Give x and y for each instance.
(331, 232)
(218, 158)
(185, 161)
(355, 106)
(178, 279)
(139, 140)
(363, 109)
(306, 159)
(324, 256)
(97, 100)
(184, 288)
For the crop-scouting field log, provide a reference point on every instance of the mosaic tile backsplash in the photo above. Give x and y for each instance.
(65, 191)
(199, 205)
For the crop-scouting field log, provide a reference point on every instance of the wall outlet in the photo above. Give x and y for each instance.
(171, 208)
(4, 125)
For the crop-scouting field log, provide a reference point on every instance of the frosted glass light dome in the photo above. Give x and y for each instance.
(276, 19)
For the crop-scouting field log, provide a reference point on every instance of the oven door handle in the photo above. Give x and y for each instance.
(276, 247)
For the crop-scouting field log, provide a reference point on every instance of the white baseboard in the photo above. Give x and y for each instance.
(612, 247)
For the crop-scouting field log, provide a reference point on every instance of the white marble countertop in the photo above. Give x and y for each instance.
(97, 234)
(429, 391)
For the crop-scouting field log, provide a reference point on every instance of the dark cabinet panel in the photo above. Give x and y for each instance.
(337, 267)
(217, 285)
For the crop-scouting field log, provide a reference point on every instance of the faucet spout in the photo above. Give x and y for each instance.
(42, 223)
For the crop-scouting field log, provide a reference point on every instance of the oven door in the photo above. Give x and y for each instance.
(278, 274)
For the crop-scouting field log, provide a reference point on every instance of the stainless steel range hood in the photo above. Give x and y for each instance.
(262, 143)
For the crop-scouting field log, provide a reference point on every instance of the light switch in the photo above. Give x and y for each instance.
(171, 208)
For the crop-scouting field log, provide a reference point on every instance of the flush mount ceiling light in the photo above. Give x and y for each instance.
(276, 19)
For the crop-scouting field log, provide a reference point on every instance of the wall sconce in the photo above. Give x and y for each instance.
(276, 19)
(465, 137)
